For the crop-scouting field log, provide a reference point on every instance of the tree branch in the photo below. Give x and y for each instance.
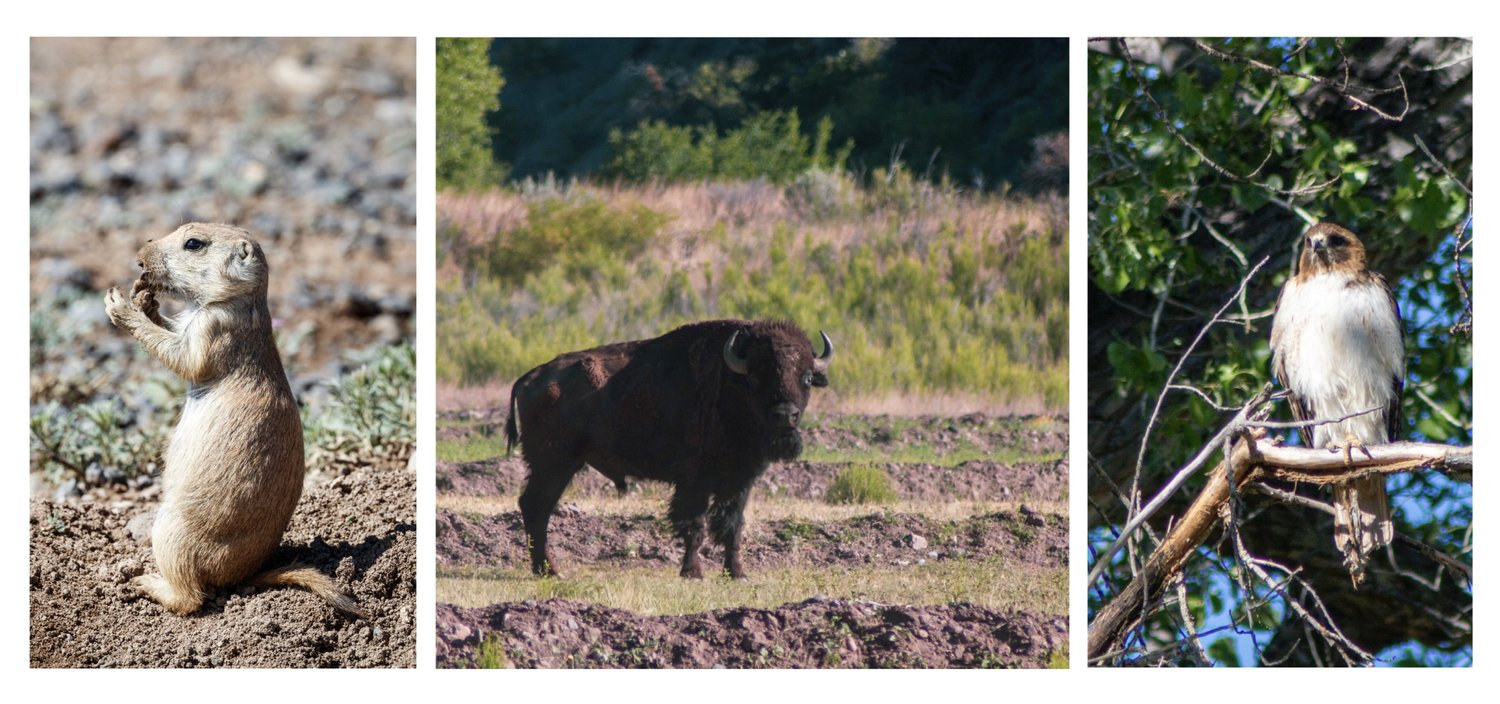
(1252, 461)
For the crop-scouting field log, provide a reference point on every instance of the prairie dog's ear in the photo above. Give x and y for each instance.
(244, 260)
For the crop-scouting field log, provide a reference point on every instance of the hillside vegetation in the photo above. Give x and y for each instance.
(924, 289)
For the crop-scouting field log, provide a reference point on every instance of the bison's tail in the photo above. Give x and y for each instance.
(303, 577)
(512, 426)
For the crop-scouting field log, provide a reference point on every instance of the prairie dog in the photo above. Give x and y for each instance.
(233, 467)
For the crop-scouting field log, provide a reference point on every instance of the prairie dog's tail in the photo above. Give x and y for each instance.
(512, 424)
(304, 577)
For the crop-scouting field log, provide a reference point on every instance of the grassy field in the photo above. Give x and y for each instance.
(926, 292)
(993, 581)
(651, 499)
(661, 591)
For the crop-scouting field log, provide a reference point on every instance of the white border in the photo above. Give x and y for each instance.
(425, 20)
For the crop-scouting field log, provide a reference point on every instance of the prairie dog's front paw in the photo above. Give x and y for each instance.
(118, 307)
(142, 296)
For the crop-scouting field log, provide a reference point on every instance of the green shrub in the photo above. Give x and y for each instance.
(370, 418)
(585, 235)
(96, 443)
(490, 654)
(860, 484)
(768, 145)
(970, 297)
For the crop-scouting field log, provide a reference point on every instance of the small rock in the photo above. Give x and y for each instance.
(916, 542)
(139, 527)
(459, 632)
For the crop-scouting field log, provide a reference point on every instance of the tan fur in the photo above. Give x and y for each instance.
(234, 465)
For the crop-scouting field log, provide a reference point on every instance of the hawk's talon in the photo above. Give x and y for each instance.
(1348, 446)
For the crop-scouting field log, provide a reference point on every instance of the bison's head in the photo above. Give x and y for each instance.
(774, 365)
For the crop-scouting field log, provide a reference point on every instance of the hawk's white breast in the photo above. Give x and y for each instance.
(1340, 343)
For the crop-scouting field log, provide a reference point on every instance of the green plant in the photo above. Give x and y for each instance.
(468, 89)
(795, 529)
(971, 299)
(95, 443)
(585, 235)
(860, 484)
(490, 654)
(767, 145)
(370, 418)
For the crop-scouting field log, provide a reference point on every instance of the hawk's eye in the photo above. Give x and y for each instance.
(1337, 241)
(193, 244)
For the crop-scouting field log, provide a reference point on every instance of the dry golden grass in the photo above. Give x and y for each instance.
(452, 398)
(652, 500)
(996, 583)
(697, 209)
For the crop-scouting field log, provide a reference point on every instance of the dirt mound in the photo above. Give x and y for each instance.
(361, 529)
(978, 480)
(879, 539)
(813, 633)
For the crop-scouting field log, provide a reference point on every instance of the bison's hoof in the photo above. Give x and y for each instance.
(693, 572)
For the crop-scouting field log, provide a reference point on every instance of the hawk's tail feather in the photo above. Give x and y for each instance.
(1361, 522)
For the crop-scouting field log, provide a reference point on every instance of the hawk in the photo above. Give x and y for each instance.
(1336, 345)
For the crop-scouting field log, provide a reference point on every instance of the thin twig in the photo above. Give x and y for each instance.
(1176, 481)
(1442, 412)
(1161, 116)
(1465, 324)
(1204, 396)
(1262, 66)
(1140, 459)
(1423, 145)
(1298, 424)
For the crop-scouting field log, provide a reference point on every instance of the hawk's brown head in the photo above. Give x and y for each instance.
(1328, 247)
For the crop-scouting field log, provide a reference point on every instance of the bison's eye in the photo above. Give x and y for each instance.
(807, 380)
(193, 244)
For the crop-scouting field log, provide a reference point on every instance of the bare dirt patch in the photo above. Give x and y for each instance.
(975, 480)
(813, 633)
(361, 529)
(878, 539)
(997, 524)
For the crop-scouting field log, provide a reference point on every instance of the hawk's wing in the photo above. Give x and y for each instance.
(1301, 410)
(1393, 420)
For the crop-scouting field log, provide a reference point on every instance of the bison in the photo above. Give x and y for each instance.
(706, 407)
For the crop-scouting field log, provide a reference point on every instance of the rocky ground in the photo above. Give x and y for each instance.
(310, 145)
(817, 633)
(1026, 529)
(307, 143)
(360, 529)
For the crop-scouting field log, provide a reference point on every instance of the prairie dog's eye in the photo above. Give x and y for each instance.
(193, 244)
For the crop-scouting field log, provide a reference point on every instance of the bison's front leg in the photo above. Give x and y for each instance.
(727, 520)
(689, 503)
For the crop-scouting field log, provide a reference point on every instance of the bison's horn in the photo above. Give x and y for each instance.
(821, 363)
(735, 364)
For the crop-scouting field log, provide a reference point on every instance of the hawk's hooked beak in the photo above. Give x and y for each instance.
(1319, 247)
